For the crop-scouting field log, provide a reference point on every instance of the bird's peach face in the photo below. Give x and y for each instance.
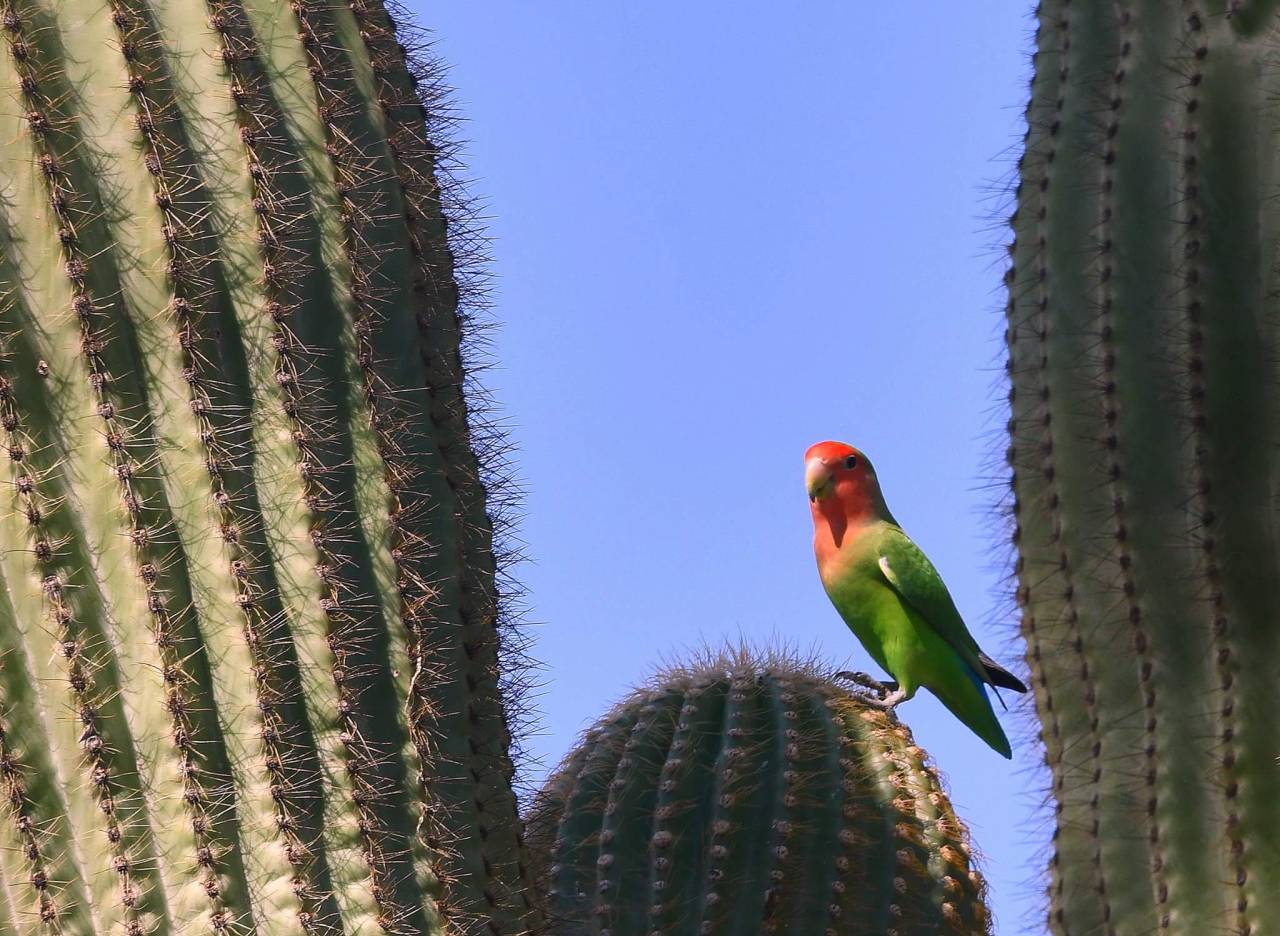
(829, 465)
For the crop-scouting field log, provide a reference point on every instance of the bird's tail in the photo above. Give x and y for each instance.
(997, 675)
(967, 700)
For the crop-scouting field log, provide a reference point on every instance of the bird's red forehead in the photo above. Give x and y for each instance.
(829, 451)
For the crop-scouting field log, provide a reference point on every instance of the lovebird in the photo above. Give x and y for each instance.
(892, 597)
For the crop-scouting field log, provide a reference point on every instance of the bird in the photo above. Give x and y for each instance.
(892, 597)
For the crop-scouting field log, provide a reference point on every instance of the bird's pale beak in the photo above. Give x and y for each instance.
(817, 478)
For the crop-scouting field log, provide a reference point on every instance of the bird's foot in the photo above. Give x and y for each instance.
(889, 702)
(881, 689)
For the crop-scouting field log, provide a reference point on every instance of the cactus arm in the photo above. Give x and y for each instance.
(1128, 267)
(255, 676)
(330, 428)
(261, 681)
(268, 561)
(411, 430)
(288, 67)
(312, 373)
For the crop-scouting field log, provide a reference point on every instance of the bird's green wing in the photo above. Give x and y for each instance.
(910, 573)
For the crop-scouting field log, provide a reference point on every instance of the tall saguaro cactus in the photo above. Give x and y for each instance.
(1143, 327)
(249, 622)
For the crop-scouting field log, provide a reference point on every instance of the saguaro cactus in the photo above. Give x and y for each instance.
(745, 796)
(249, 622)
(1142, 333)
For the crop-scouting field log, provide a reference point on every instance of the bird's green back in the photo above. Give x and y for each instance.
(910, 573)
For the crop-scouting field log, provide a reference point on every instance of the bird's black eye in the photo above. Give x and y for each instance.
(851, 462)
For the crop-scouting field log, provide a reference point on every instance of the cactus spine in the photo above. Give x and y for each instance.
(250, 617)
(746, 796)
(1142, 334)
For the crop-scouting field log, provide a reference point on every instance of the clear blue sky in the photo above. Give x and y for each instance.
(723, 232)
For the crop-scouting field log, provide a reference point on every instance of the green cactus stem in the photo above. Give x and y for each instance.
(251, 627)
(1142, 335)
(744, 795)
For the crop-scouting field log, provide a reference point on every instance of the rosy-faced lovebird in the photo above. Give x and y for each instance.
(892, 597)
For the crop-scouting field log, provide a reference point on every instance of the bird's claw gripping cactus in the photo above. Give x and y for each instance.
(876, 687)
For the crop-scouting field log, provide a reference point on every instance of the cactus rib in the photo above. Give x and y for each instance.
(1222, 266)
(740, 792)
(816, 768)
(1113, 279)
(20, 838)
(497, 857)
(1074, 707)
(353, 617)
(279, 784)
(633, 792)
(62, 652)
(103, 364)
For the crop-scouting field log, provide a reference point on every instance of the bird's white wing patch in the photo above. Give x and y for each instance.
(888, 572)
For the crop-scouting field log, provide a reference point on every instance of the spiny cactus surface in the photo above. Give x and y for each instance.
(249, 614)
(1142, 334)
(744, 796)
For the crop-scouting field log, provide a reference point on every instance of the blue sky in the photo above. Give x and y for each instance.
(723, 232)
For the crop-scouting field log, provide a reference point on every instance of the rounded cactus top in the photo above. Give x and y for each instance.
(748, 794)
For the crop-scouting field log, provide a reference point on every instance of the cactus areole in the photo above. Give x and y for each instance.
(751, 796)
(249, 615)
(1144, 341)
